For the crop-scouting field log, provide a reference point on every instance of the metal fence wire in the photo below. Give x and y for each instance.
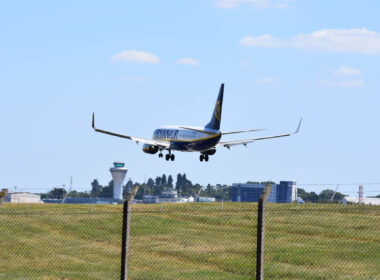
(190, 241)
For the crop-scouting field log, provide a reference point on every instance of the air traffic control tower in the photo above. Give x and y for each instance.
(118, 172)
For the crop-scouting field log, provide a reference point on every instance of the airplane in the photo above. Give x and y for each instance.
(204, 140)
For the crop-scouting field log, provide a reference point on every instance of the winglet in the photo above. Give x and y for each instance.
(299, 125)
(93, 120)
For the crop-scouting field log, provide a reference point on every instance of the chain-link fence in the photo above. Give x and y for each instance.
(190, 241)
(322, 242)
(60, 242)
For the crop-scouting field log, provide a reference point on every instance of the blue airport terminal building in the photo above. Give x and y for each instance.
(284, 192)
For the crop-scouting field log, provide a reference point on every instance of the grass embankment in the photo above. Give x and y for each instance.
(189, 241)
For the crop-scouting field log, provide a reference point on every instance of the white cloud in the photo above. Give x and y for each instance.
(345, 71)
(257, 4)
(344, 76)
(133, 56)
(343, 83)
(332, 40)
(267, 41)
(135, 79)
(188, 61)
(267, 80)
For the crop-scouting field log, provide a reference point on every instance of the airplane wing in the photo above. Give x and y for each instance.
(244, 142)
(222, 133)
(197, 130)
(241, 131)
(161, 144)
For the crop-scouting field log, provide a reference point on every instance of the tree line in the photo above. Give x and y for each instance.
(184, 187)
(323, 197)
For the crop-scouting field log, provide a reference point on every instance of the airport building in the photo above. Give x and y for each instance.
(284, 192)
(364, 200)
(23, 197)
(167, 196)
(206, 199)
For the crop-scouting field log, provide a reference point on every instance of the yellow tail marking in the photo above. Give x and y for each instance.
(217, 110)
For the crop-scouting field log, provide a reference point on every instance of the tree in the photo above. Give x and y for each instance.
(158, 181)
(313, 197)
(77, 194)
(95, 188)
(73, 193)
(163, 180)
(307, 197)
(140, 192)
(210, 191)
(107, 192)
(170, 181)
(223, 192)
(150, 183)
(127, 187)
(58, 193)
(185, 186)
(178, 184)
(184, 179)
(301, 193)
(268, 183)
(326, 195)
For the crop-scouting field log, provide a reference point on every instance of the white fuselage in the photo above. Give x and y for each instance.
(188, 138)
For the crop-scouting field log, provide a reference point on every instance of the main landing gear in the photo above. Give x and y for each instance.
(168, 156)
(203, 157)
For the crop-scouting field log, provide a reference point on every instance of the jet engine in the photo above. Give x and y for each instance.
(209, 152)
(150, 149)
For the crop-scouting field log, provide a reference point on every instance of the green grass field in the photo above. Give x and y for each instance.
(189, 241)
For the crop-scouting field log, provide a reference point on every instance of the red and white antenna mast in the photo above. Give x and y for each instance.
(360, 194)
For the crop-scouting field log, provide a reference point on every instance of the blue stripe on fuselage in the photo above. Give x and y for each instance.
(163, 134)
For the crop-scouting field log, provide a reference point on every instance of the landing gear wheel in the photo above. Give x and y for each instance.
(160, 155)
(206, 157)
(201, 157)
(167, 157)
(172, 157)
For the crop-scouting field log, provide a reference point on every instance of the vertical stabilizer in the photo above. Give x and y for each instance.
(216, 117)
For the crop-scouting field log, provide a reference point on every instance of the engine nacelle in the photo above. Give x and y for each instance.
(209, 152)
(150, 149)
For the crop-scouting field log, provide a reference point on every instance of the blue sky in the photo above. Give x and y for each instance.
(144, 64)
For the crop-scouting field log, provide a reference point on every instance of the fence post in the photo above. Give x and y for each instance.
(261, 232)
(3, 195)
(125, 233)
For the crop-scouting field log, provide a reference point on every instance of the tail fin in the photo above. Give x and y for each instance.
(216, 117)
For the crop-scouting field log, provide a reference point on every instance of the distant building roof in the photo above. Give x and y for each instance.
(206, 199)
